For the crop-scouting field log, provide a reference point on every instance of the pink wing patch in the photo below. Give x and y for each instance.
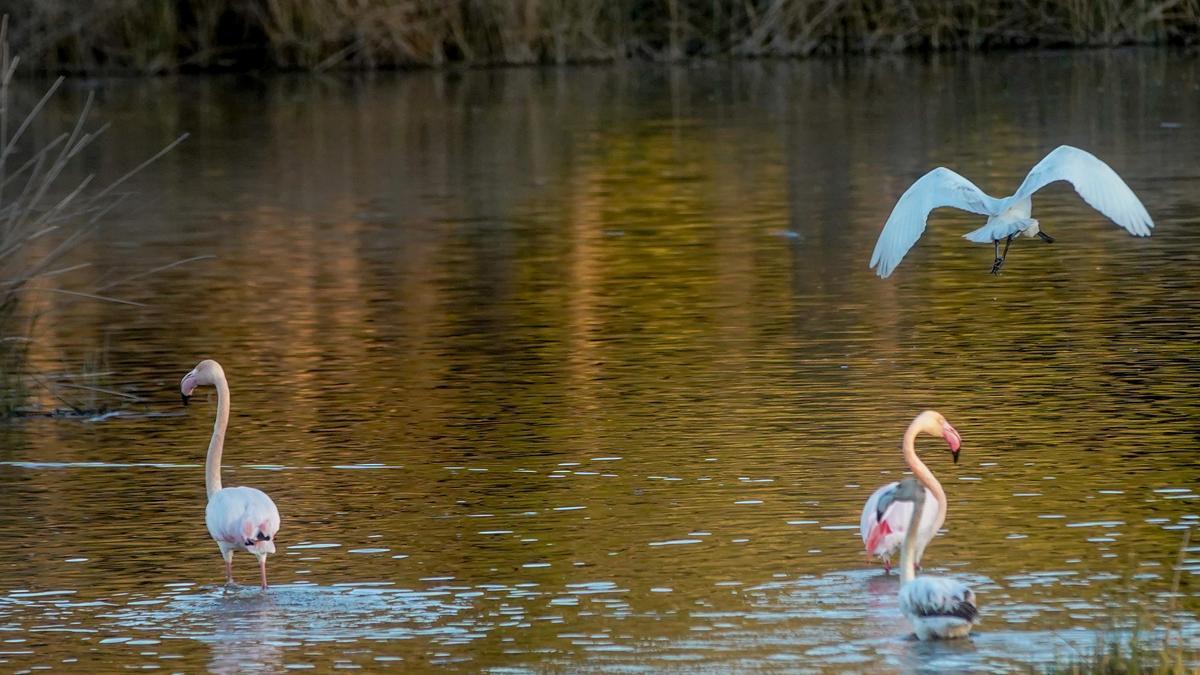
(877, 535)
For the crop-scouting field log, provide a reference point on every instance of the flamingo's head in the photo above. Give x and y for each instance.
(205, 373)
(933, 423)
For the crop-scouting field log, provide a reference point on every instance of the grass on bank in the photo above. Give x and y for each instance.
(1153, 644)
(1130, 654)
(170, 35)
(43, 217)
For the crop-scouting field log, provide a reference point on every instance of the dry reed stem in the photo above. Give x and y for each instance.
(88, 35)
(42, 219)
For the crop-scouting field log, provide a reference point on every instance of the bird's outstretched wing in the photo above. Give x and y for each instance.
(940, 187)
(1095, 181)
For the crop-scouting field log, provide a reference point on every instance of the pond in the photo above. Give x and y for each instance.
(583, 369)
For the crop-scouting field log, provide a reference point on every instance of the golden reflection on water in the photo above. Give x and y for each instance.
(585, 368)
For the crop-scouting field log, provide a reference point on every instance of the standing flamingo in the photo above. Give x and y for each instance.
(885, 521)
(938, 608)
(238, 518)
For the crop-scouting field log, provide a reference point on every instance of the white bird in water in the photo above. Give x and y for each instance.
(238, 518)
(938, 608)
(1009, 217)
(884, 521)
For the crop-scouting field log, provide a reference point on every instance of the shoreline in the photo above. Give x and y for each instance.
(207, 36)
(460, 68)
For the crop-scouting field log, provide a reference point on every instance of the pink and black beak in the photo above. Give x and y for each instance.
(186, 387)
(876, 536)
(953, 439)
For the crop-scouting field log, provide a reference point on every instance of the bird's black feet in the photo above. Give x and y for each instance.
(1045, 237)
(999, 261)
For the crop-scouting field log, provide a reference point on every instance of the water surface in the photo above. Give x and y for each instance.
(584, 369)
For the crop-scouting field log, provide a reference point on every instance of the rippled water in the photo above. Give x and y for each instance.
(584, 369)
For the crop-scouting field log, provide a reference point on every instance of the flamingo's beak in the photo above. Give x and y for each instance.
(186, 387)
(876, 536)
(953, 439)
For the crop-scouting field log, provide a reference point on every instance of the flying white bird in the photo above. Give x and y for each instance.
(1094, 180)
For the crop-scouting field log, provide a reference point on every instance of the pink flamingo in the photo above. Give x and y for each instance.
(885, 520)
(238, 518)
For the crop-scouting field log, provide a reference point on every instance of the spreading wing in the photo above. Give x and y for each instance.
(1095, 182)
(940, 187)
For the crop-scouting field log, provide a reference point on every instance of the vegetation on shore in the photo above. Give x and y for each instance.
(1160, 650)
(46, 211)
(1130, 654)
(170, 35)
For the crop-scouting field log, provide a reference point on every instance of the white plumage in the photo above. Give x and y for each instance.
(1008, 217)
(895, 515)
(242, 519)
(938, 608)
(885, 520)
(238, 518)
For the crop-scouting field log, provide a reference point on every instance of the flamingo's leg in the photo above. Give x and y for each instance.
(262, 566)
(228, 556)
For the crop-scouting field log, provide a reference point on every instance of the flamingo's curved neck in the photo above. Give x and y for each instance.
(212, 466)
(908, 554)
(923, 474)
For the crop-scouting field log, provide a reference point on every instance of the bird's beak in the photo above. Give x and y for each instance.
(881, 530)
(953, 438)
(186, 387)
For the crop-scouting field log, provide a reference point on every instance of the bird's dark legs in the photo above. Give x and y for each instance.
(999, 261)
(1045, 237)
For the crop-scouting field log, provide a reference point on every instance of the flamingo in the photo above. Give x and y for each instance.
(1008, 217)
(884, 522)
(238, 518)
(938, 608)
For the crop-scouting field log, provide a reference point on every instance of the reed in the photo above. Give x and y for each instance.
(172, 35)
(1154, 644)
(1132, 654)
(44, 215)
